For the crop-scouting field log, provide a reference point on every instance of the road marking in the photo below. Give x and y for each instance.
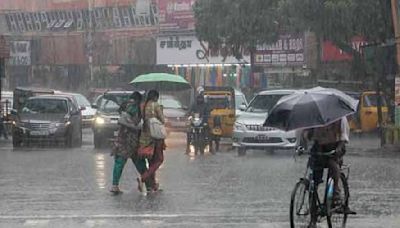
(40, 222)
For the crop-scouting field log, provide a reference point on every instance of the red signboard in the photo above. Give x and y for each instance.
(176, 15)
(331, 52)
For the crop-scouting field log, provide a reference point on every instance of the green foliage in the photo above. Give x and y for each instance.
(237, 24)
(340, 20)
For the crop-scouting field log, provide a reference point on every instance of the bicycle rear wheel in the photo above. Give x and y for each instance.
(300, 215)
(336, 216)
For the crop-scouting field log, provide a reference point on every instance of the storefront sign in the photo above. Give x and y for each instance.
(176, 15)
(288, 50)
(189, 50)
(330, 52)
(79, 19)
(20, 53)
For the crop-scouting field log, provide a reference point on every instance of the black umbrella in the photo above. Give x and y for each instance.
(310, 108)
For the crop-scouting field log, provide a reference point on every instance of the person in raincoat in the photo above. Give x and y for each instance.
(126, 144)
(152, 109)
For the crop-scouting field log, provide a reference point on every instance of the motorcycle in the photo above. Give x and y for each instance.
(197, 134)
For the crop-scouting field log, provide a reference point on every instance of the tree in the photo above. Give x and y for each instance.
(238, 25)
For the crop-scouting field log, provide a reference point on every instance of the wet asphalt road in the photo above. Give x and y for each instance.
(56, 187)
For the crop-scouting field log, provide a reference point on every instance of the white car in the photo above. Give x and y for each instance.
(249, 132)
(88, 113)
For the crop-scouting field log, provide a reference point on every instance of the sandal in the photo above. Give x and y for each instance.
(140, 184)
(115, 190)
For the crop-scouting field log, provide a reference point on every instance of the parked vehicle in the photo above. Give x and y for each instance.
(249, 132)
(221, 103)
(88, 112)
(366, 117)
(105, 124)
(6, 104)
(240, 102)
(48, 118)
(174, 112)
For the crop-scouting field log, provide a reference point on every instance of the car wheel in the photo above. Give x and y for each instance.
(79, 139)
(97, 141)
(241, 151)
(69, 140)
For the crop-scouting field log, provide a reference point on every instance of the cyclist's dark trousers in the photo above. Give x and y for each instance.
(332, 163)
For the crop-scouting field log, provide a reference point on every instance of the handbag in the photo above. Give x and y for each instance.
(146, 151)
(157, 129)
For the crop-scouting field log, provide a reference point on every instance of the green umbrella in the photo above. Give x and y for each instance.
(160, 81)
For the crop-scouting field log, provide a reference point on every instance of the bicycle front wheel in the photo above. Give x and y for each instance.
(336, 216)
(300, 215)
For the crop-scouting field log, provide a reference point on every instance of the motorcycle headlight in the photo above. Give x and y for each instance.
(239, 127)
(99, 120)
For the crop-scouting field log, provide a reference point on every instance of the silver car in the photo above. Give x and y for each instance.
(249, 132)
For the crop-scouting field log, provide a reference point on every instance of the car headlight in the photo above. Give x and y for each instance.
(291, 140)
(99, 120)
(239, 126)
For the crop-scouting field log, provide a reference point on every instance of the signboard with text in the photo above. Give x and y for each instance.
(176, 15)
(144, 13)
(20, 53)
(189, 50)
(287, 50)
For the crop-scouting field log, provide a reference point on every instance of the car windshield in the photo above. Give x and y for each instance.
(48, 106)
(110, 103)
(218, 102)
(82, 101)
(171, 103)
(264, 103)
(240, 100)
(371, 100)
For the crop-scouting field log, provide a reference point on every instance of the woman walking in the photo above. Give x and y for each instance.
(152, 109)
(127, 142)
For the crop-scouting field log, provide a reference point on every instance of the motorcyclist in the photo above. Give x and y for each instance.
(199, 107)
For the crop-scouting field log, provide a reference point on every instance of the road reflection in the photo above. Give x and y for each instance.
(100, 171)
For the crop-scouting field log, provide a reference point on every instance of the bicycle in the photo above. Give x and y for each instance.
(306, 207)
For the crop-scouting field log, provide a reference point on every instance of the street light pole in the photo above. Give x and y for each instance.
(90, 39)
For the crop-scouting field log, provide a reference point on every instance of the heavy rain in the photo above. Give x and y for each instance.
(200, 113)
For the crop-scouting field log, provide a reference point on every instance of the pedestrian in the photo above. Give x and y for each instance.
(152, 109)
(126, 144)
(3, 129)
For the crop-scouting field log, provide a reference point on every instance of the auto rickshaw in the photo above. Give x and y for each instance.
(221, 103)
(366, 117)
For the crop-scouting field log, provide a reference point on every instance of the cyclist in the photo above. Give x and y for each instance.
(326, 139)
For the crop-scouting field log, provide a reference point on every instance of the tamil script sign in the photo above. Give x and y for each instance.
(288, 50)
(110, 17)
(188, 50)
(20, 53)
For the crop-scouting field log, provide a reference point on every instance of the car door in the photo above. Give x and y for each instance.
(76, 118)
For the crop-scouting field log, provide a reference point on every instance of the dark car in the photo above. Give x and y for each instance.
(105, 124)
(48, 118)
(174, 112)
